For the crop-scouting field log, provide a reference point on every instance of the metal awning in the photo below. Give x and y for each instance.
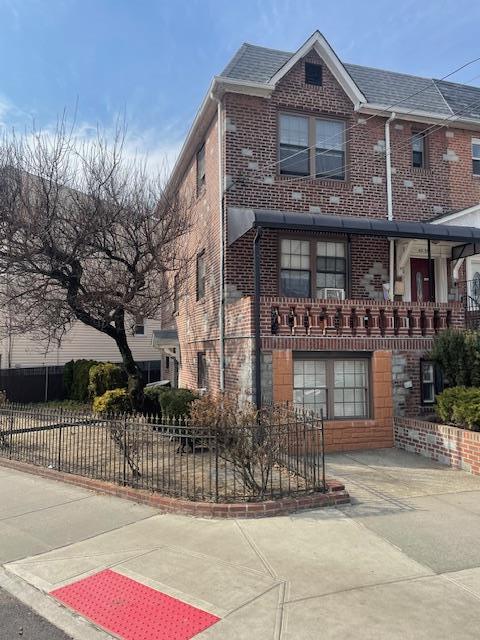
(165, 339)
(241, 220)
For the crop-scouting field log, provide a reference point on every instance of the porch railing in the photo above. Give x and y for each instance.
(362, 318)
(469, 293)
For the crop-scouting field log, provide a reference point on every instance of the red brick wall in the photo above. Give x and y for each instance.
(457, 448)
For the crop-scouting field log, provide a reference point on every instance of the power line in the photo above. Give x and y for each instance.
(386, 111)
(425, 133)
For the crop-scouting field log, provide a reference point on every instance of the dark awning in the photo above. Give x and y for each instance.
(242, 220)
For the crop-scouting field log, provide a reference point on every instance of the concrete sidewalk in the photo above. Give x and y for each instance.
(403, 561)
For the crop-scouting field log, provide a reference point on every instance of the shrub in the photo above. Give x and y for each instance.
(152, 400)
(112, 402)
(458, 355)
(104, 377)
(460, 406)
(76, 379)
(68, 378)
(175, 403)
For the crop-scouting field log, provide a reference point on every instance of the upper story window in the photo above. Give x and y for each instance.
(201, 169)
(313, 74)
(139, 327)
(175, 293)
(303, 262)
(418, 150)
(476, 156)
(312, 147)
(201, 275)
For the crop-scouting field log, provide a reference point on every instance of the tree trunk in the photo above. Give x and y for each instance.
(135, 384)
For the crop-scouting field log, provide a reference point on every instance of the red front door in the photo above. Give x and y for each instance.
(420, 280)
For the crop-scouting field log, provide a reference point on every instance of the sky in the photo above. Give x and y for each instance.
(151, 61)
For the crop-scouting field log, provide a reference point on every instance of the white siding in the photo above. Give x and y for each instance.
(81, 342)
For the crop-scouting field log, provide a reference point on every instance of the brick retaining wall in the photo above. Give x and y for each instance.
(336, 494)
(457, 448)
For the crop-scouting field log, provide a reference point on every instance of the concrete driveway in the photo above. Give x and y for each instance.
(402, 561)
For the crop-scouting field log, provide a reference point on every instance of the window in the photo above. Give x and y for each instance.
(201, 169)
(303, 262)
(476, 156)
(329, 149)
(139, 327)
(312, 147)
(338, 387)
(201, 275)
(294, 151)
(167, 362)
(418, 150)
(201, 370)
(430, 380)
(295, 268)
(313, 74)
(175, 293)
(331, 266)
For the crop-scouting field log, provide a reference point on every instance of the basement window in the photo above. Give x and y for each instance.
(430, 380)
(313, 74)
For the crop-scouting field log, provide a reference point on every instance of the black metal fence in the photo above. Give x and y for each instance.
(470, 294)
(41, 384)
(272, 459)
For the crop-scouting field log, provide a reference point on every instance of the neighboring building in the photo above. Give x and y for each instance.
(323, 268)
(80, 342)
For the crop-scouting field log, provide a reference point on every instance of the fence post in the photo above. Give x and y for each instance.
(60, 434)
(216, 465)
(323, 452)
(125, 450)
(10, 435)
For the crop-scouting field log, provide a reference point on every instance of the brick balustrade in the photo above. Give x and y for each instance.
(458, 448)
(357, 318)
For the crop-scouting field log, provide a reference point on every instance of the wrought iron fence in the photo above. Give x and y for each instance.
(469, 292)
(272, 459)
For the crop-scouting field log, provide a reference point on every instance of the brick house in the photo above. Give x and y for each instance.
(330, 233)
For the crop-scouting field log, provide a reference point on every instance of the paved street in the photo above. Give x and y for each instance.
(403, 561)
(18, 621)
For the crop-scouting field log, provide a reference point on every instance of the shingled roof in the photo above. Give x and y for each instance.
(253, 63)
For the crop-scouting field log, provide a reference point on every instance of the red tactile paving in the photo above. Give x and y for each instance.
(132, 610)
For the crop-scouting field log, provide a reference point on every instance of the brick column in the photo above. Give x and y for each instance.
(282, 374)
(382, 396)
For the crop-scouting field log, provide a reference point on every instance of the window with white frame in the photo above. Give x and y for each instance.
(476, 156)
(430, 380)
(311, 146)
(337, 386)
(295, 264)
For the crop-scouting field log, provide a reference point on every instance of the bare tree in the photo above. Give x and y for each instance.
(86, 233)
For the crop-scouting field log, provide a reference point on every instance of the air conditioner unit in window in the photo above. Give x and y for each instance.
(328, 293)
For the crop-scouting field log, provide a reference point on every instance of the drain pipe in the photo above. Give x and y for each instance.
(221, 292)
(388, 167)
(257, 294)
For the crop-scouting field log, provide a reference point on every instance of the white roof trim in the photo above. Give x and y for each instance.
(448, 217)
(328, 55)
(417, 115)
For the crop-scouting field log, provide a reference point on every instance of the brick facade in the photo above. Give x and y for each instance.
(251, 179)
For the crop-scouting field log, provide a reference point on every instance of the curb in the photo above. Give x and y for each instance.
(336, 495)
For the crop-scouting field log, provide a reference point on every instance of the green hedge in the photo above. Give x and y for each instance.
(173, 403)
(458, 355)
(460, 406)
(76, 379)
(104, 377)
